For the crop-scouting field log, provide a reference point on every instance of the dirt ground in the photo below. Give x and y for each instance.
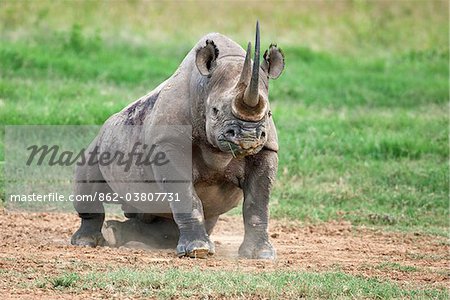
(35, 244)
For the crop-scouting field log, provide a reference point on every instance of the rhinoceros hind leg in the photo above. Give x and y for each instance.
(160, 233)
(210, 223)
(89, 182)
(209, 226)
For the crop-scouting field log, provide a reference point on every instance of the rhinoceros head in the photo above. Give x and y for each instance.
(237, 105)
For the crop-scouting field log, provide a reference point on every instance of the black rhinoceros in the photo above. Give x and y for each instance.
(224, 97)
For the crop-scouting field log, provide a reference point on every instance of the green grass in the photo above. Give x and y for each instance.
(63, 281)
(174, 282)
(397, 267)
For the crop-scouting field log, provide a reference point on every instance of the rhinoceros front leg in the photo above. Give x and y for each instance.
(260, 174)
(194, 241)
(188, 213)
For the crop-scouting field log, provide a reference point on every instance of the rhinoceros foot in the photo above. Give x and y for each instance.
(197, 248)
(257, 250)
(88, 238)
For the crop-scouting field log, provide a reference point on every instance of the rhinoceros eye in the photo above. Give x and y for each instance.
(215, 111)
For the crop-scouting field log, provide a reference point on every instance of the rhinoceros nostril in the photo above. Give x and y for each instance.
(230, 133)
(263, 134)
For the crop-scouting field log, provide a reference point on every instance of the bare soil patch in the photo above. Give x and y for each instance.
(33, 245)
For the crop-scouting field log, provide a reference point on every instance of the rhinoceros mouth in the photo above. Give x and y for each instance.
(240, 148)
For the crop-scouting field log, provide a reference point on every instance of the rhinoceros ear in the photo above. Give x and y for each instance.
(273, 62)
(206, 58)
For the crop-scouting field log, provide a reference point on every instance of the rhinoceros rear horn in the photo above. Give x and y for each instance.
(247, 69)
(205, 58)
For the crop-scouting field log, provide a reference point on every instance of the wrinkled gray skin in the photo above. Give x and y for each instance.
(234, 148)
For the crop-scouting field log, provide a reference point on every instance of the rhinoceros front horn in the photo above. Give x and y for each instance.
(248, 105)
(251, 96)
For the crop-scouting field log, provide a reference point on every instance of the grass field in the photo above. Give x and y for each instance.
(197, 283)
(361, 110)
